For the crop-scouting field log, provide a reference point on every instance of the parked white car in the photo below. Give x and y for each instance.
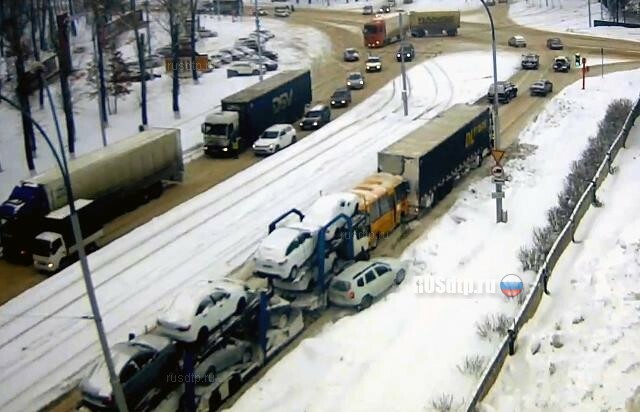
(244, 68)
(281, 12)
(197, 311)
(359, 284)
(325, 209)
(284, 252)
(275, 138)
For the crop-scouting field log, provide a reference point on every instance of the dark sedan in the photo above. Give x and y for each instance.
(341, 97)
(144, 365)
(555, 43)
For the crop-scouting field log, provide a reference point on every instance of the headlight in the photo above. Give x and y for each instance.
(254, 146)
(348, 83)
(408, 55)
(378, 66)
(333, 102)
(271, 146)
(315, 123)
(361, 82)
(50, 265)
(224, 149)
(300, 124)
(343, 102)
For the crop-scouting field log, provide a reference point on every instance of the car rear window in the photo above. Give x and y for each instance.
(341, 285)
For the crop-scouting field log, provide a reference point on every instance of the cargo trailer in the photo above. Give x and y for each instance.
(118, 178)
(439, 152)
(246, 114)
(423, 23)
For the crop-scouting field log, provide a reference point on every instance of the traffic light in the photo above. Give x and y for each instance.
(577, 59)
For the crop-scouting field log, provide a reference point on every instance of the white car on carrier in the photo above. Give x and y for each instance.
(197, 311)
(245, 68)
(325, 209)
(284, 252)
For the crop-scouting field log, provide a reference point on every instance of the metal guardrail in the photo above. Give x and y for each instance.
(566, 236)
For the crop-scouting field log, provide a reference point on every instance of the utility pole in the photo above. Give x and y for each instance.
(405, 103)
(64, 56)
(100, 101)
(146, 12)
(589, 6)
(258, 39)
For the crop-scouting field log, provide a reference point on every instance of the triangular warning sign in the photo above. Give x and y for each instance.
(497, 155)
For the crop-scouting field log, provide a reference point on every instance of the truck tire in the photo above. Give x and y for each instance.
(452, 32)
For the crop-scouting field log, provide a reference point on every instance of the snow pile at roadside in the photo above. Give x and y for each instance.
(41, 338)
(564, 16)
(403, 352)
(592, 312)
(297, 47)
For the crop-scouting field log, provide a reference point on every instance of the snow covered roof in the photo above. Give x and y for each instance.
(63, 212)
(262, 87)
(425, 138)
(282, 236)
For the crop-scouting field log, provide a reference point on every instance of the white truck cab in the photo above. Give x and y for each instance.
(57, 242)
(220, 131)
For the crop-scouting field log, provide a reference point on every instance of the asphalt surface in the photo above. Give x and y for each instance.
(329, 73)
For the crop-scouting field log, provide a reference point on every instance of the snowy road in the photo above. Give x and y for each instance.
(47, 344)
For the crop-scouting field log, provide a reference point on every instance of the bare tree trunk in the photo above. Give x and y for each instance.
(1, 20)
(102, 88)
(36, 53)
(64, 56)
(194, 72)
(141, 62)
(175, 90)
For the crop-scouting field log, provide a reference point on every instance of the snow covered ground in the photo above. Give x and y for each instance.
(402, 353)
(44, 341)
(297, 47)
(593, 311)
(356, 6)
(564, 16)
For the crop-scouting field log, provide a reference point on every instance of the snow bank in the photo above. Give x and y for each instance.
(566, 16)
(402, 353)
(593, 309)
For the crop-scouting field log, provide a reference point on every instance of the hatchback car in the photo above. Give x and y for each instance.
(341, 97)
(362, 282)
(541, 87)
(275, 138)
(244, 68)
(385, 8)
(142, 365)
(406, 52)
(282, 12)
(351, 55)
(270, 54)
(316, 117)
(506, 92)
(517, 41)
(197, 311)
(268, 64)
(283, 253)
(355, 80)
(373, 64)
(367, 10)
(555, 43)
(561, 64)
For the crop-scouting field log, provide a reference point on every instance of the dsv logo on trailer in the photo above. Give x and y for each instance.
(282, 102)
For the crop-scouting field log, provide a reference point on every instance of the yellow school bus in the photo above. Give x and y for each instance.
(384, 198)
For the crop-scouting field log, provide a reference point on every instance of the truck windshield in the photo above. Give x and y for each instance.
(41, 247)
(215, 129)
(370, 29)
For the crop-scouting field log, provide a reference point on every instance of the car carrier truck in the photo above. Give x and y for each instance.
(432, 157)
(431, 23)
(56, 246)
(246, 114)
(117, 178)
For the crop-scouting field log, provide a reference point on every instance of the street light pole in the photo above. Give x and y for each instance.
(405, 103)
(258, 39)
(496, 120)
(589, 7)
(61, 161)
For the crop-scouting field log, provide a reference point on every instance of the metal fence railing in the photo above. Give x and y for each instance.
(566, 236)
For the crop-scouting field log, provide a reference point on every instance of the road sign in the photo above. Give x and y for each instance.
(497, 171)
(497, 155)
(497, 195)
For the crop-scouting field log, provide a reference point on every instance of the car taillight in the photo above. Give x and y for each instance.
(351, 294)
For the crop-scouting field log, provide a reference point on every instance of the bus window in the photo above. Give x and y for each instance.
(386, 205)
(374, 211)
